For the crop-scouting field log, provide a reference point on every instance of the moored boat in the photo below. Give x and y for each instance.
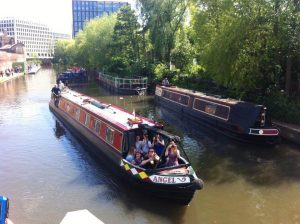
(33, 68)
(240, 120)
(73, 75)
(112, 132)
(127, 86)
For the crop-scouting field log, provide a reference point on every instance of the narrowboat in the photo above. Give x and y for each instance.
(239, 120)
(127, 86)
(73, 75)
(112, 132)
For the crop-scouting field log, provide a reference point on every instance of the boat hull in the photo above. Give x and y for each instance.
(181, 193)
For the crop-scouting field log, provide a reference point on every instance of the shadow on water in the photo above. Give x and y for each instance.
(220, 159)
(96, 172)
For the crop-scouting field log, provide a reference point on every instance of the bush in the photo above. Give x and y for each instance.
(160, 71)
(283, 108)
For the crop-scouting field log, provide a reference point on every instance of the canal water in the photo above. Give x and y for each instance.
(46, 172)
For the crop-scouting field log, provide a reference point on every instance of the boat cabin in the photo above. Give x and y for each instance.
(115, 126)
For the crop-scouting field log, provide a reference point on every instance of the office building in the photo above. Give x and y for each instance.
(85, 10)
(37, 38)
(61, 36)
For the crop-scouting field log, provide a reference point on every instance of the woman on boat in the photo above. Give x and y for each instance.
(172, 155)
(138, 158)
(131, 154)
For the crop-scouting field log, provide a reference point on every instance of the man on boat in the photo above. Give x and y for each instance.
(165, 82)
(55, 94)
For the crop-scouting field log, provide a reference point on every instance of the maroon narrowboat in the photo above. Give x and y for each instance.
(112, 131)
(239, 120)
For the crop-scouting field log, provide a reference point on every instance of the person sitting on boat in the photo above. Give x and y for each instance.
(172, 155)
(55, 94)
(138, 158)
(165, 82)
(146, 144)
(150, 160)
(138, 143)
(61, 85)
(130, 155)
(158, 144)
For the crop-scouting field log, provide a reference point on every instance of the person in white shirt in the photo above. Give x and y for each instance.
(138, 144)
(61, 85)
(146, 144)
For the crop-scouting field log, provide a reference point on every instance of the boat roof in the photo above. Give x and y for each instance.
(115, 115)
(205, 95)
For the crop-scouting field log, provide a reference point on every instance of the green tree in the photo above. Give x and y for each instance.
(247, 45)
(126, 43)
(162, 19)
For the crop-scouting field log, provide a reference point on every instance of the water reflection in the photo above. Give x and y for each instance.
(243, 183)
(58, 130)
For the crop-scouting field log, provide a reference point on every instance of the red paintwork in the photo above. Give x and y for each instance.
(117, 138)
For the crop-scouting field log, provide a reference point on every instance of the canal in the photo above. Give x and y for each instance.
(46, 172)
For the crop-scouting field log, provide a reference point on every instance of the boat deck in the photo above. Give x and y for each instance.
(109, 112)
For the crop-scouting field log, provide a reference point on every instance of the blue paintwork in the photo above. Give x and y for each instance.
(3, 209)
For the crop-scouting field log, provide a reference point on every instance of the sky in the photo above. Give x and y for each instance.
(57, 14)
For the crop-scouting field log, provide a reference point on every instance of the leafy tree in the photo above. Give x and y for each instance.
(162, 19)
(96, 40)
(247, 45)
(126, 42)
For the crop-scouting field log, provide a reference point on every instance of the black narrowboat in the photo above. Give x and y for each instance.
(75, 75)
(240, 120)
(112, 131)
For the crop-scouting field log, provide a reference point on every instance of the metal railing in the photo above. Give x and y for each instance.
(124, 83)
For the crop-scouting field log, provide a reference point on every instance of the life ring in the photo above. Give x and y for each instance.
(135, 120)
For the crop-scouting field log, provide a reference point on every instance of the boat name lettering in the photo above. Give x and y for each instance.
(169, 179)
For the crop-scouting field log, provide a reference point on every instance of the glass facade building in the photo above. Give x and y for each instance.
(85, 10)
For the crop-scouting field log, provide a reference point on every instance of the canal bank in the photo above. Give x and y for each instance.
(6, 78)
(289, 132)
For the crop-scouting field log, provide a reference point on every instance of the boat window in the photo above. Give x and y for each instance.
(176, 97)
(77, 113)
(109, 133)
(97, 126)
(87, 120)
(68, 107)
(214, 109)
